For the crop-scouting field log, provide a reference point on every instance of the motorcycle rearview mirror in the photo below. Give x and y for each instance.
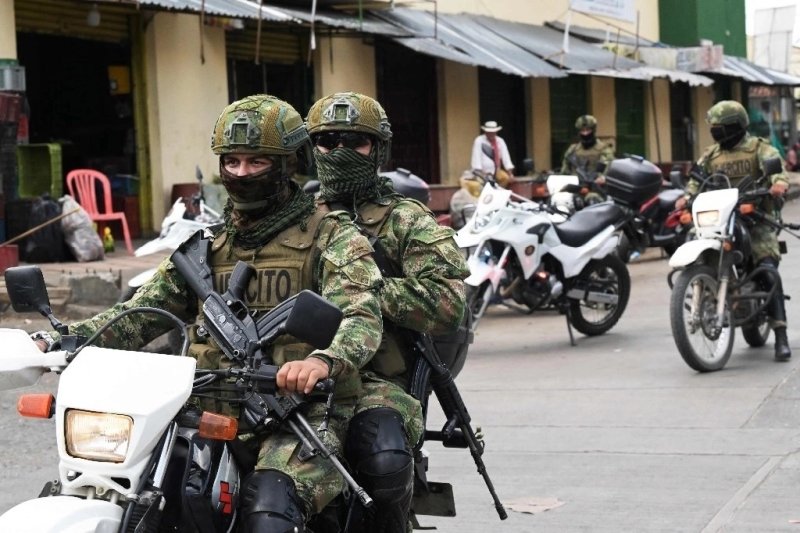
(28, 292)
(314, 320)
(198, 174)
(772, 166)
(527, 165)
(675, 178)
(306, 316)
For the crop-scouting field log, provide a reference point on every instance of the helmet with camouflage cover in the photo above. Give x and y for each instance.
(349, 112)
(727, 112)
(586, 121)
(728, 120)
(260, 124)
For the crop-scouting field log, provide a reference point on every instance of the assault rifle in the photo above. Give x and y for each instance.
(227, 321)
(457, 431)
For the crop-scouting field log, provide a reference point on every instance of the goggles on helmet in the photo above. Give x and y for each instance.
(348, 139)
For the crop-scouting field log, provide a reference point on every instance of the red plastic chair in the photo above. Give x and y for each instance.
(82, 185)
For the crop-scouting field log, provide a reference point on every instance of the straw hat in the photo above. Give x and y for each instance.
(490, 126)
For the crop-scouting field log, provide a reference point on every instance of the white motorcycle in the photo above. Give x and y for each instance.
(519, 256)
(716, 283)
(132, 455)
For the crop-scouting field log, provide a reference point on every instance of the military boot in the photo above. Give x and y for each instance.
(782, 350)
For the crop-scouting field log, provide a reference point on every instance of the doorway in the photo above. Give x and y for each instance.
(407, 92)
(79, 95)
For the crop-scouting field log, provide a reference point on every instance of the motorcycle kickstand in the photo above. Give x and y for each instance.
(568, 314)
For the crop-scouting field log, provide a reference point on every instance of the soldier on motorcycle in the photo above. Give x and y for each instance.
(425, 292)
(270, 223)
(587, 154)
(738, 155)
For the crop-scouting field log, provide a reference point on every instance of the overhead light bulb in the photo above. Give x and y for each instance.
(93, 17)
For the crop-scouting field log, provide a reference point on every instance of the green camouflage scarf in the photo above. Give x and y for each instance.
(349, 177)
(251, 234)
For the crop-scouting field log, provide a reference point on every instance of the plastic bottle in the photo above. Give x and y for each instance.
(108, 240)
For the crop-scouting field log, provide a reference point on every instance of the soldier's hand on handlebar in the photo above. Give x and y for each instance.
(680, 203)
(301, 376)
(600, 180)
(778, 188)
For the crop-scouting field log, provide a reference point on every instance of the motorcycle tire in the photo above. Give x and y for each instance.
(608, 275)
(700, 347)
(756, 334)
(478, 299)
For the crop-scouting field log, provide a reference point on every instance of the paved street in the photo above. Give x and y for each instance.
(614, 434)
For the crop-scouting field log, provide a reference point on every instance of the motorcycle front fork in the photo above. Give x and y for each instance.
(723, 275)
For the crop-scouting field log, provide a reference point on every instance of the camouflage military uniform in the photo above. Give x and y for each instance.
(743, 160)
(348, 278)
(578, 157)
(423, 291)
(737, 155)
(428, 296)
(274, 226)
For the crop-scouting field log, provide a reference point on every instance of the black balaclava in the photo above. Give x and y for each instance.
(588, 140)
(263, 204)
(727, 135)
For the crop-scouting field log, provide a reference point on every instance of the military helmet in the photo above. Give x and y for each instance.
(586, 121)
(728, 112)
(260, 124)
(349, 112)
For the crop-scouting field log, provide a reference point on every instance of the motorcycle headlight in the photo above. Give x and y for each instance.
(97, 436)
(708, 218)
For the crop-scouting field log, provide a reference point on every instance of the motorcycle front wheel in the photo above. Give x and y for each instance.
(693, 310)
(606, 286)
(478, 299)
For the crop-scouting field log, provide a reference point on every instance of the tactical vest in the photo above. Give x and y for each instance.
(284, 266)
(586, 158)
(738, 163)
(390, 361)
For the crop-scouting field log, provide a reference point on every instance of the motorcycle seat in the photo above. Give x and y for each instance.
(579, 229)
(667, 199)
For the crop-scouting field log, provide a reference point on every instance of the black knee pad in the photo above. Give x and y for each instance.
(770, 275)
(378, 451)
(270, 503)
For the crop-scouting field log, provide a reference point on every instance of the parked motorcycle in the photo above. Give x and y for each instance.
(133, 456)
(181, 222)
(638, 187)
(519, 256)
(718, 285)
